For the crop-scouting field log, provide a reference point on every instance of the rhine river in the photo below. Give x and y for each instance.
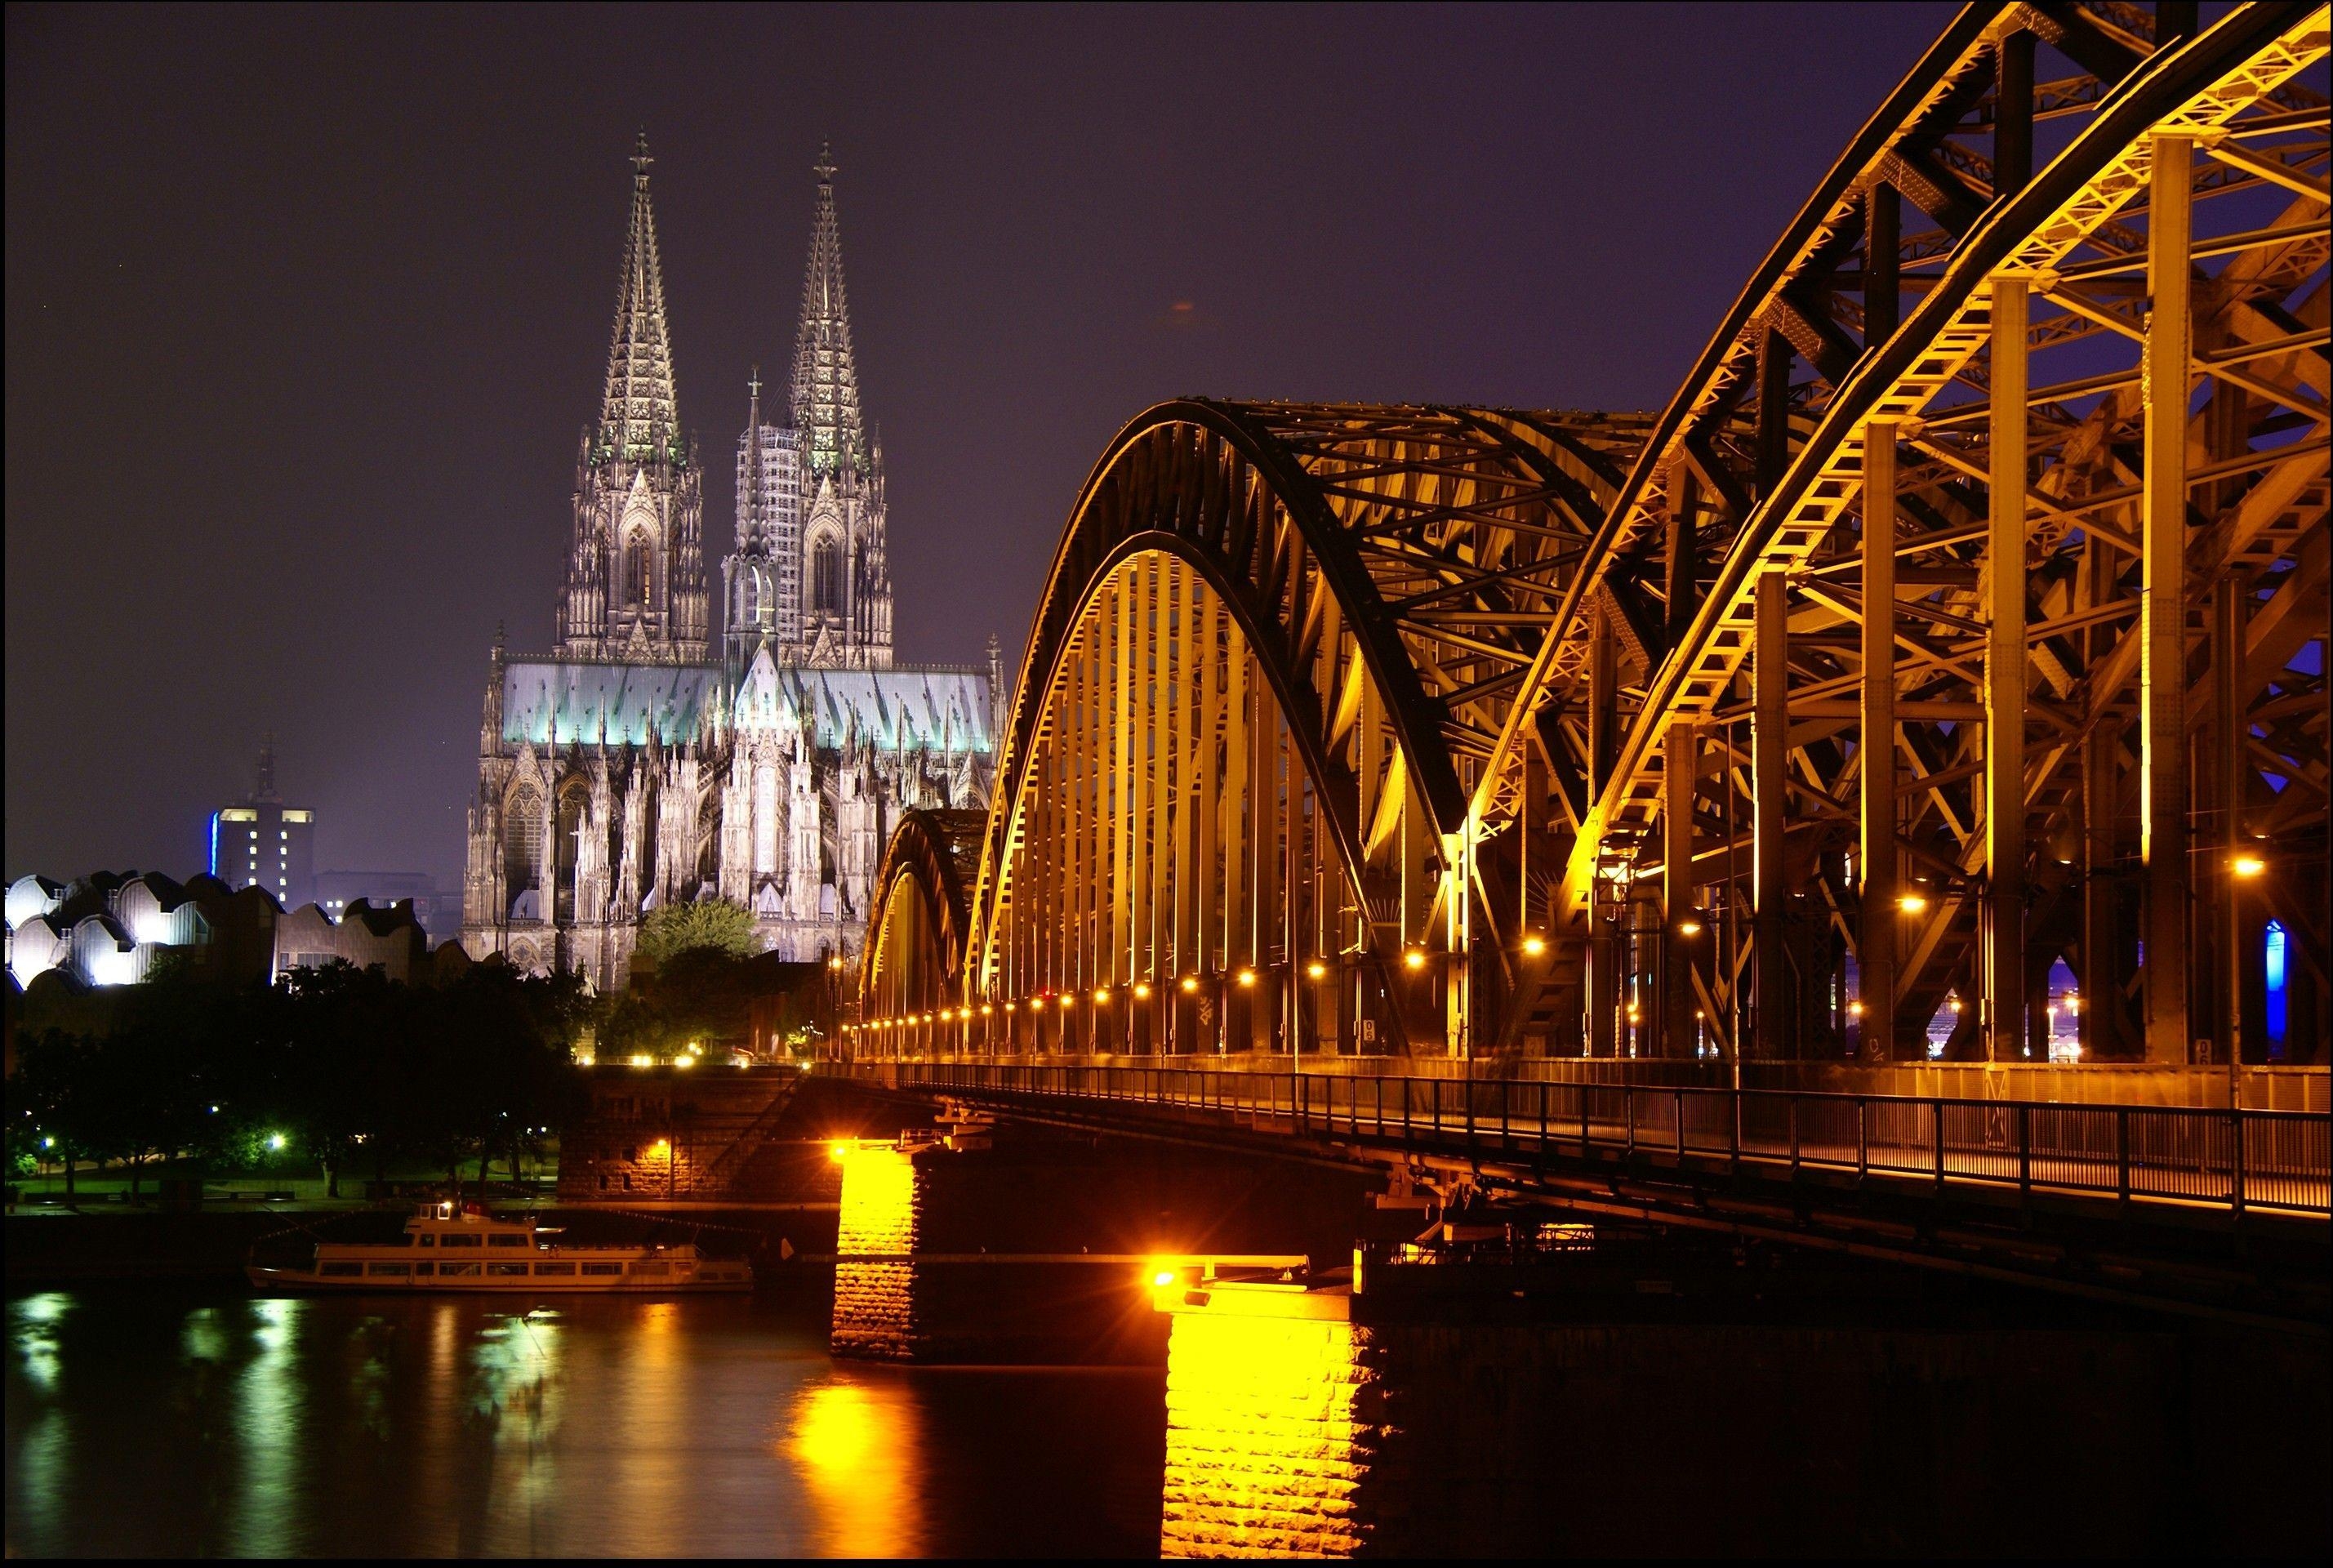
(211, 1423)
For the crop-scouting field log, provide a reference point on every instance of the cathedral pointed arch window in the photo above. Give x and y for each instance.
(521, 842)
(826, 576)
(765, 819)
(641, 570)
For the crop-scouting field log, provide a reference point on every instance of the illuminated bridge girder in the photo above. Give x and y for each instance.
(1545, 732)
(922, 906)
(1277, 646)
(2098, 437)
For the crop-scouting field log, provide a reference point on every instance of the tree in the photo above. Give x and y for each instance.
(713, 923)
(51, 1105)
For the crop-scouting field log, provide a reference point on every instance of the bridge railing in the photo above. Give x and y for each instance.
(2237, 1159)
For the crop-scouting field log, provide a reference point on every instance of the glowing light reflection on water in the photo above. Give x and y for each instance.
(151, 1423)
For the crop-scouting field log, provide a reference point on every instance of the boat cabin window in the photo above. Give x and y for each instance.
(544, 1268)
(603, 1268)
(428, 1240)
(516, 1268)
(450, 1269)
(389, 1268)
(506, 1240)
(422, 1268)
(650, 1268)
(458, 1241)
(340, 1270)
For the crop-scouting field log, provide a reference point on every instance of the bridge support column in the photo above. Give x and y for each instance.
(1877, 942)
(2163, 603)
(2229, 733)
(1680, 760)
(1604, 944)
(1883, 239)
(2004, 998)
(1770, 764)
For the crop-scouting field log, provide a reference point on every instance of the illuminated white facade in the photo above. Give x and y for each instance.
(628, 768)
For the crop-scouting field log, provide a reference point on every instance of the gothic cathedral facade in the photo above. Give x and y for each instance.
(642, 762)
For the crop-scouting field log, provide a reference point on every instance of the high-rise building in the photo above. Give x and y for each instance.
(261, 843)
(633, 765)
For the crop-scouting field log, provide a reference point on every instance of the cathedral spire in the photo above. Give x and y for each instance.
(826, 375)
(639, 414)
(750, 520)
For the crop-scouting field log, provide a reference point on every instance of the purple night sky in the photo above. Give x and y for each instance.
(306, 308)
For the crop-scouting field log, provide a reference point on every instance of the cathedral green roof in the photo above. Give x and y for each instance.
(898, 708)
(563, 703)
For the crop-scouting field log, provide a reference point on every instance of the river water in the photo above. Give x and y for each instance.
(216, 1423)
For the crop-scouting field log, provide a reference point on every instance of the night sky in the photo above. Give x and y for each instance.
(306, 309)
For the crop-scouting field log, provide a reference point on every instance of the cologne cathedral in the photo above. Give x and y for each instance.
(648, 758)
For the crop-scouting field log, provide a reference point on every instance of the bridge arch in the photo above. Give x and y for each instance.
(2085, 571)
(916, 923)
(1354, 590)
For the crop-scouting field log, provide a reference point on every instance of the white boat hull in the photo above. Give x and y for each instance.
(725, 1282)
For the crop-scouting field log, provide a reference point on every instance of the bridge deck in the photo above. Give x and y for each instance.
(2228, 1160)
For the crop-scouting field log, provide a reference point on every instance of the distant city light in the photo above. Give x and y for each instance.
(1534, 945)
(2250, 866)
(1911, 904)
(276, 1141)
(1190, 982)
(1317, 969)
(1414, 958)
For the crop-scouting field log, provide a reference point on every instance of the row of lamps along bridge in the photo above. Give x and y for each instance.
(1414, 959)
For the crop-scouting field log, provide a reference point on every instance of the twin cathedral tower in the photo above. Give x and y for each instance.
(640, 763)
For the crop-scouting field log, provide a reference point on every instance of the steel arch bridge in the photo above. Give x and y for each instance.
(1455, 730)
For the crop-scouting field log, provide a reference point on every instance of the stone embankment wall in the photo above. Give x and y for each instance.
(703, 1134)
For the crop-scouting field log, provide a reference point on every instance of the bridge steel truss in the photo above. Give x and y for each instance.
(2097, 444)
(1499, 733)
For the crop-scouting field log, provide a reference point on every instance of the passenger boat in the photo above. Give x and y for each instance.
(451, 1247)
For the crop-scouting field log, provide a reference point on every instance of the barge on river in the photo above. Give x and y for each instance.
(447, 1247)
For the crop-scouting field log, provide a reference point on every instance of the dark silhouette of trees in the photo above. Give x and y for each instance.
(345, 1066)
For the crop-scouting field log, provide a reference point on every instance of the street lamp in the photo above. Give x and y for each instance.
(2246, 868)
